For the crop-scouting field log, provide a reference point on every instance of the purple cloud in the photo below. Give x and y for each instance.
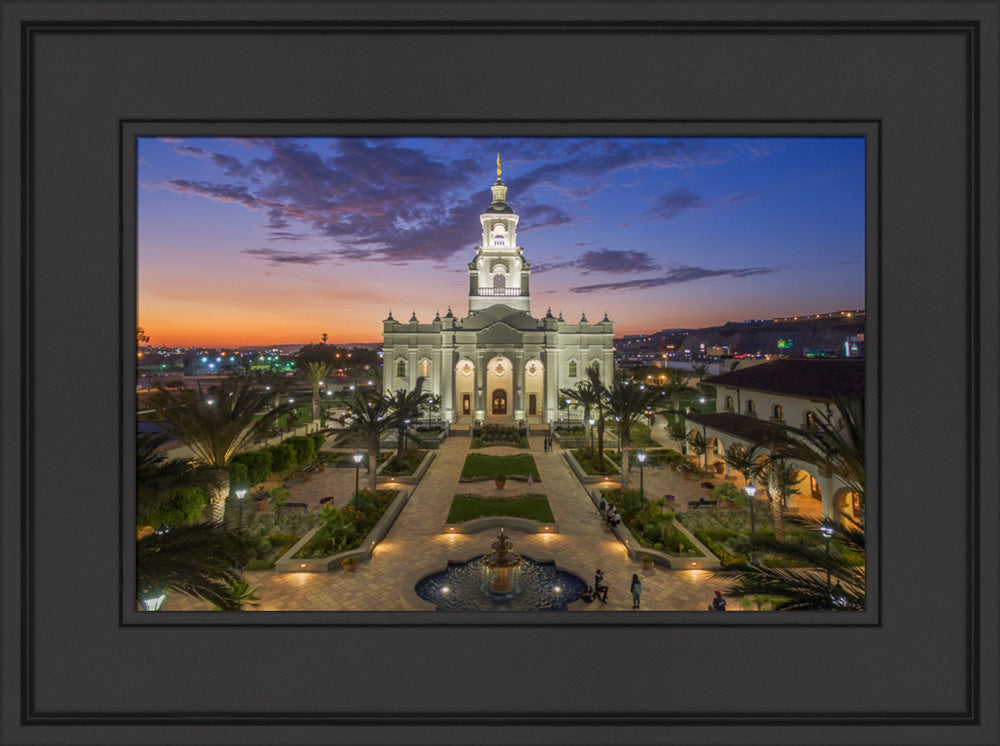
(675, 276)
(673, 203)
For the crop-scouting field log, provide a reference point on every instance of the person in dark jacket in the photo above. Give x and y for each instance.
(636, 589)
(600, 590)
(718, 603)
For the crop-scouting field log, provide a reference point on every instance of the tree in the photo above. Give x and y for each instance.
(583, 394)
(627, 403)
(404, 408)
(140, 336)
(748, 462)
(368, 417)
(676, 386)
(677, 433)
(197, 560)
(219, 423)
(316, 372)
(170, 491)
(780, 479)
(700, 445)
(807, 588)
(594, 378)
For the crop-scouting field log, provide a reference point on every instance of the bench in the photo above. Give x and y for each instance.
(293, 508)
(699, 503)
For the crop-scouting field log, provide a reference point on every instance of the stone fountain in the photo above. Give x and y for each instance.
(501, 565)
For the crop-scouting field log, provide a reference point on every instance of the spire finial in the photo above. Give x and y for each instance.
(498, 166)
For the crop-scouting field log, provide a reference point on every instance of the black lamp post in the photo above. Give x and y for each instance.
(240, 494)
(642, 459)
(751, 491)
(827, 530)
(591, 434)
(357, 476)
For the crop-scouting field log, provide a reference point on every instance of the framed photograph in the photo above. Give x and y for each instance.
(109, 109)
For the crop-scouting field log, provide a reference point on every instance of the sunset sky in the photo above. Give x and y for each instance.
(278, 240)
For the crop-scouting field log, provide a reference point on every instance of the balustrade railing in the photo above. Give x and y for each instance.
(499, 292)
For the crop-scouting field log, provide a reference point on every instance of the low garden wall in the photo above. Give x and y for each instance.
(521, 524)
(286, 563)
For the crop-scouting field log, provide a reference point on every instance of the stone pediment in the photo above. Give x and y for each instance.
(499, 333)
(499, 313)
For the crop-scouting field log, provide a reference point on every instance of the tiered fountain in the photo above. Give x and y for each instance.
(501, 565)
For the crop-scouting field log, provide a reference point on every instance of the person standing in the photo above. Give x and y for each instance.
(636, 589)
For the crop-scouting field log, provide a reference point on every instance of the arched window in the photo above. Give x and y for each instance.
(401, 369)
(596, 365)
(751, 407)
(425, 368)
(810, 419)
(499, 281)
(572, 369)
(729, 403)
(466, 404)
(779, 412)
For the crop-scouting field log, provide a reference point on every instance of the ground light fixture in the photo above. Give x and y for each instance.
(642, 459)
(153, 603)
(357, 475)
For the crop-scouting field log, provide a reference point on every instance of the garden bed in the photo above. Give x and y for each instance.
(533, 506)
(498, 435)
(481, 466)
(347, 533)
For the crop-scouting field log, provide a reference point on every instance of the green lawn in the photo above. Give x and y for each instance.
(533, 506)
(482, 466)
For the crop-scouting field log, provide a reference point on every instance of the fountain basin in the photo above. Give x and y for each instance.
(464, 586)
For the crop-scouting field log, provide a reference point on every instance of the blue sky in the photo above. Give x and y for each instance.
(279, 240)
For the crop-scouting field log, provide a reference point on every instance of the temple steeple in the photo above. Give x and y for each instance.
(499, 273)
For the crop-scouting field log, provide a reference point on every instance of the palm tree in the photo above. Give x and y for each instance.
(217, 424)
(748, 462)
(676, 386)
(837, 450)
(585, 394)
(700, 445)
(316, 372)
(808, 588)
(781, 480)
(601, 392)
(405, 407)
(197, 560)
(369, 417)
(627, 403)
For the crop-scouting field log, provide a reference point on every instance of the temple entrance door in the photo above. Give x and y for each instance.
(532, 404)
(466, 404)
(499, 402)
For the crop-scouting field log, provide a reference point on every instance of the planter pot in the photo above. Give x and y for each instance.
(350, 567)
(647, 563)
(500, 484)
(262, 504)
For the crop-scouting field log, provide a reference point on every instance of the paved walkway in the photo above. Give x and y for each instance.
(416, 543)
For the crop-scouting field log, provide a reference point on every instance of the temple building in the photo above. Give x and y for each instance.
(499, 364)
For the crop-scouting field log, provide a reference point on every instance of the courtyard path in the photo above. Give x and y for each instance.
(416, 544)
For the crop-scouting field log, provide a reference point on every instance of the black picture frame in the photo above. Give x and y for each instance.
(921, 668)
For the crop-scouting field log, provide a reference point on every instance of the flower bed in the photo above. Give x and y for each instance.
(498, 435)
(650, 526)
(587, 459)
(345, 529)
(412, 457)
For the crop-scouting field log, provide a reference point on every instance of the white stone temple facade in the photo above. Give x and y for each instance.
(498, 364)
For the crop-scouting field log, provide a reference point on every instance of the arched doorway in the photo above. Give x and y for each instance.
(532, 404)
(499, 402)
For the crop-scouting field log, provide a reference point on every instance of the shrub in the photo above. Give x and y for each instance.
(319, 439)
(727, 491)
(304, 448)
(345, 529)
(258, 464)
(412, 457)
(178, 506)
(282, 456)
(259, 563)
(238, 477)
